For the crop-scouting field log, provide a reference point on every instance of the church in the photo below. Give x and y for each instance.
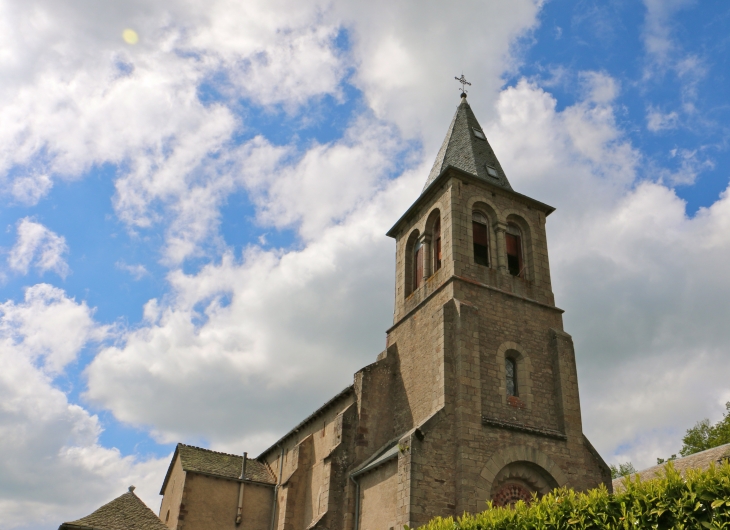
(474, 398)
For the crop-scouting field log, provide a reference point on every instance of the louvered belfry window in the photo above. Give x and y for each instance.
(513, 242)
(481, 238)
(417, 265)
(437, 245)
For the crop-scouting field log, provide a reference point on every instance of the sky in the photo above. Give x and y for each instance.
(194, 197)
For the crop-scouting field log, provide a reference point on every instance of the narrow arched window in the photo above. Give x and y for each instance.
(480, 237)
(511, 374)
(513, 240)
(417, 265)
(437, 245)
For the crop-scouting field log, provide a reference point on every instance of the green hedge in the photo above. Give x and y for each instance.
(700, 499)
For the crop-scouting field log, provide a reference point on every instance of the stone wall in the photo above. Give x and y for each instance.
(211, 502)
(170, 506)
(378, 498)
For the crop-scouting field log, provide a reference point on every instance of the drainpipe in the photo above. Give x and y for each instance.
(356, 524)
(239, 514)
(276, 489)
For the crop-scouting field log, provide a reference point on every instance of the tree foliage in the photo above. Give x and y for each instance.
(622, 470)
(700, 499)
(705, 436)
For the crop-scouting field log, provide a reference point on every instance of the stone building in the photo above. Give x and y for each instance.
(475, 396)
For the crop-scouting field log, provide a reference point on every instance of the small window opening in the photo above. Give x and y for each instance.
(479, 134)
(492, 172)
(437, 245)
(513, 242)
(480, 238)
(417, 265)
(167, 517)
(511, 372)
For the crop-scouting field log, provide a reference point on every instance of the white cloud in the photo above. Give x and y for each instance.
(275, 331)
(657, 121)
(137, 271)
(39, 247)
(67, 110)
(657, 33)
(49, 326)
(599, 87)
(665, 53)
(52, 466)
(642, 283)
(78, 97)
(312, 316)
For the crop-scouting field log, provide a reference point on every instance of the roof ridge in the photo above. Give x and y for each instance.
(212, 451)
(309, 418)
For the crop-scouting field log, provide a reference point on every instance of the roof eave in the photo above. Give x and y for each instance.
(306, 420)
(546, 208)
(232, 479)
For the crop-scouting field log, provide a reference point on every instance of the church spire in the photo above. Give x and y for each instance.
(466, 148)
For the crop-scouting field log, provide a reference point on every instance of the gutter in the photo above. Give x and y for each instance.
(239, 513)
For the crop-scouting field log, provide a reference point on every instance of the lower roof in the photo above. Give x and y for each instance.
(701, 460)
(126, 512)
(204, 461)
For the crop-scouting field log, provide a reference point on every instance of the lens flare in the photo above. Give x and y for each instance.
(130, 36)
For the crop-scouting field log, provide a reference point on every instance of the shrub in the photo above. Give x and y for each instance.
(700, 499)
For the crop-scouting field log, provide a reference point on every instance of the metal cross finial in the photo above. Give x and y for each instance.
(463, 82)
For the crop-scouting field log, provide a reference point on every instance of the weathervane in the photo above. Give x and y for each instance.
(463, 82)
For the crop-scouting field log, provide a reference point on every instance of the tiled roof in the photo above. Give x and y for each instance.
(463, 149)
(700, 460)
(201, 460)
(126, 512)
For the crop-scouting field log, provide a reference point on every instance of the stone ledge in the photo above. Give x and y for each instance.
(521, 427)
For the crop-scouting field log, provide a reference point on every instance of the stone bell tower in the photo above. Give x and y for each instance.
(475, 397)
(488, 373)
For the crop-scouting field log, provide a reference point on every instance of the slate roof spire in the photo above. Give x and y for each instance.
(466, 147)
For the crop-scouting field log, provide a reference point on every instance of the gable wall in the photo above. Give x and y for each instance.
(173, 495)
(378, 498)
(211, 502)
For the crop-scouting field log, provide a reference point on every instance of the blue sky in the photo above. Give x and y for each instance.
(186, 215)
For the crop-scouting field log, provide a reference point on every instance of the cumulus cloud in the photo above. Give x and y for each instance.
(641, 281)
(167, 113)
(271, 330)
(312, 316)
(52, 466)
(39, 247)
(67, 110)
